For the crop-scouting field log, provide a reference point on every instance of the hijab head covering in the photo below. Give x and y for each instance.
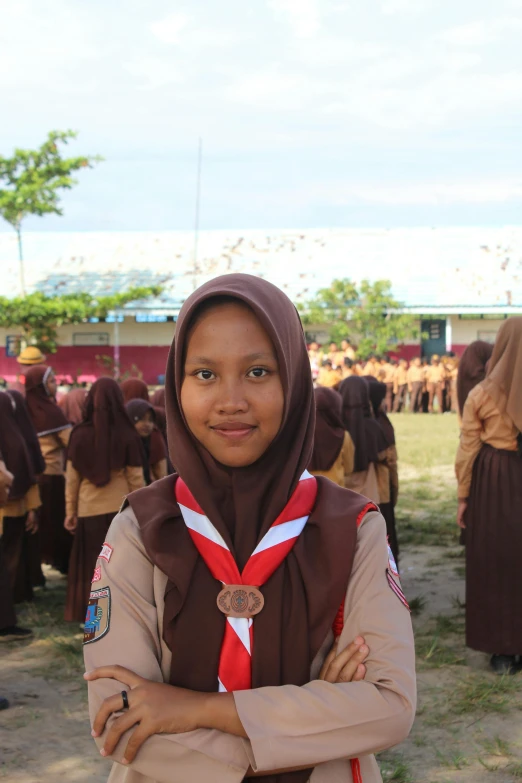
(106, 439)
(28, 432)
(153, 446)
(158, 398)
(472, 369)
(46, 415)
(73, 405)
(377, 395)
(303, 595)
(133, 389)
(504, 376)
(358, 419)
(329, 429)
(14, 450)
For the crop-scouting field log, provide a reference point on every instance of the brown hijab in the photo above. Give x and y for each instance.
(158, 398)
(153, 446)
(14, 450)
(45, 413)
(133, 389)
(367, 436)
(28, 432)
(472, 369)
(73, 405)
(329, 428)
(303, 595)
(106, 439)
(377, 394)
(504, 377)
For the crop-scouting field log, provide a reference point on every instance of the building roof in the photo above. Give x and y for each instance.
(431, 269)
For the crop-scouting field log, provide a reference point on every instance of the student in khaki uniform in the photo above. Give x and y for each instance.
(333, 454)
(104, 464)
(415, 384)
(347, 370)
(243, 424)
(329, 377)
(372, 367)
(53, 430)
(154, 452)
(435, 377)
(348, 350)
(489, 475)
(472, 370)
(390, 370)
(335, 356)
(400, 386)
(315, 355)
(19, 520)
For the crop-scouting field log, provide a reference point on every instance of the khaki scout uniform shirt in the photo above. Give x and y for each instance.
(435, 373)
(415, 374)
(84, 499)
(401, 377)
(343, 465)
(316, 724)
(53, 447)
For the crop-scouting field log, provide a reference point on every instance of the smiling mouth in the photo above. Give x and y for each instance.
(233, 431)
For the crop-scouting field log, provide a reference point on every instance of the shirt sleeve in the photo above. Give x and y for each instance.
(292, 726)
(135, 477)
(72, 489)
(348, 453)
(470, 444)
(129, 637)
(32, 499)
(64, 436)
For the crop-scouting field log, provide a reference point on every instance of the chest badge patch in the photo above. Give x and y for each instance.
(98, 617)
(106, 552)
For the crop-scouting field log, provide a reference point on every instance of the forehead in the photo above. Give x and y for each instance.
(231, 322)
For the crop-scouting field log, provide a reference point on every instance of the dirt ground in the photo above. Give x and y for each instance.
(469, 722)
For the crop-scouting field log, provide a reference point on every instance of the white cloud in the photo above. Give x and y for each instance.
(393, 7)
(481, 31)
(476, 192)
(169, 29)
(267, 88)
(155, 71)
(302, 16)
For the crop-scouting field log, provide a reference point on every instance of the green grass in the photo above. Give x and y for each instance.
(423, 443)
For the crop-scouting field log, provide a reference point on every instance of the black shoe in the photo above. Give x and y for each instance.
(15, 634)
(504, 664)
(4, 704)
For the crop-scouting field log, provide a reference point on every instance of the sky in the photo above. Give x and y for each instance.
(312, 113)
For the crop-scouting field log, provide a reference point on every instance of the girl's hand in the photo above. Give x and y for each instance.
(346, 666)
(70, 524)
(461, 511)
(31, 523)
(154, 708)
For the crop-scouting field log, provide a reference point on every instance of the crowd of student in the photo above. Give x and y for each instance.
(87, 486)
(419, 386)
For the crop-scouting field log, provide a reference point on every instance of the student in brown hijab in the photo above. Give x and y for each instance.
(387, 471)
(368, 439)
(154, 453)
(489, 474)
(104, 463)
(19, 518)
(158, 398)
(135, 389)
(241, 409)
(53, 432)
(472, 369)
(73, 405)
(333, 454)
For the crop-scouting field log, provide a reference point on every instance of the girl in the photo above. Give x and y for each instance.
(154, 453)
(53, 432)
(19, 517)
(104, 464)
(489, 474)
(240, 407)
(73, 405)
(135, 389)
(333, 454)
(370, 444)
(387, 472)
(472, 369)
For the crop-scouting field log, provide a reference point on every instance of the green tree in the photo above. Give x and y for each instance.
(31, 181)
(39, 316)
(367, 314)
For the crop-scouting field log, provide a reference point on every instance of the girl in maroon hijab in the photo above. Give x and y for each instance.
(134, 389)
(73, 405)
(53, 432)
(143, 416)
(472, 369)
(224, 581)
(333, 454)
(104, 463)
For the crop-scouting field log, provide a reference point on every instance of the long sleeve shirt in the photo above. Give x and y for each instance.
(84, 499)
(53, 448)
(317, 724)
(482, 423)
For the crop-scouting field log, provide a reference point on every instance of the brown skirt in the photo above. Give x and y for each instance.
(55, 541)
(17, 553)
(494, 553)
(88, 541)
(7, 610)
(388, 513)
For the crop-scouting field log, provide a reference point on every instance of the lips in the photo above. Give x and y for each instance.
(233, 430)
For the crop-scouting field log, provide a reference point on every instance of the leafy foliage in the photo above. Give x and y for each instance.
(39, 315)
(368, 315)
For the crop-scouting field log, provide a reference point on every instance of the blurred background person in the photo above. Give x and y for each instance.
(333, 454)
(154, 453)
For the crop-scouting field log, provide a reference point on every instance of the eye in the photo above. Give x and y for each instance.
(258, 372)
(204, 375)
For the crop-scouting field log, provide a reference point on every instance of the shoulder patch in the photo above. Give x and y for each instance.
(98, 617)
(106, 552)
(97, 574)
(397, 589)
(391, 562)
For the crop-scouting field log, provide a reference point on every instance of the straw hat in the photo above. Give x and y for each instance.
(31, 355)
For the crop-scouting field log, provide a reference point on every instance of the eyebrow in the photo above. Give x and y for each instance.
(251, 358)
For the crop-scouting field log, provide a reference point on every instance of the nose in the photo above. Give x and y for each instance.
(232, 398)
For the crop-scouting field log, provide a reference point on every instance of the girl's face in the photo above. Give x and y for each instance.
(232, 395)
(145, 425)
(51, 385)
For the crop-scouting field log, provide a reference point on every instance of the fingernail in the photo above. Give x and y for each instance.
(86, 676)
(359, 640)
(94, 733)
(124, 760)
(364, 649)
(103, 752)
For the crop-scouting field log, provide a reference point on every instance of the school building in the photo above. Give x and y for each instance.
(460, 283)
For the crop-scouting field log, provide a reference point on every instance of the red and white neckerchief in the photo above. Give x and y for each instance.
(235, 661)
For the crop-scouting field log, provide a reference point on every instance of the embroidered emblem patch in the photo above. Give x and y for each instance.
(98, 617)
(106, 552)
(97, 574)
(396, 588)
(391, 562)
